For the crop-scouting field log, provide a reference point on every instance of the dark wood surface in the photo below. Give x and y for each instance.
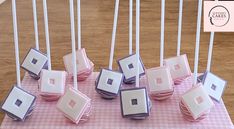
(97, 20)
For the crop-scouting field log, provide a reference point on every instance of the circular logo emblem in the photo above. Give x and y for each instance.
(219, 16)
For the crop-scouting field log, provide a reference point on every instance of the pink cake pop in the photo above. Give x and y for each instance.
(159, 79)
(160, 83)
(51, 83)
(85, 74)
(85, 66)
(196, 103)
(179, 65)
(75, 105)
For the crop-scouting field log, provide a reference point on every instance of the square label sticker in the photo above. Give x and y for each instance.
(218, 16)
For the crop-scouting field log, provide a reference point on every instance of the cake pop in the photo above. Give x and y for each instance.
(195, 104)
(159, 79)
(108, 82)
(135, 102)
(19, 103)
(213, 84)
(52, 82)
(35, 60)
(128, 64)
(179, 65)
(84, 65)
(75, 105)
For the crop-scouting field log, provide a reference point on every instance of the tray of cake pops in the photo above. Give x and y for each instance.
(130, 96)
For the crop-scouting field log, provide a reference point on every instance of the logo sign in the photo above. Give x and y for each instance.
(219, 16)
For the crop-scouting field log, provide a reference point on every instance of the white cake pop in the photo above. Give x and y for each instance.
(127, 65)
(135, 102)
(35, 60)
(19, 104)
(108, 82)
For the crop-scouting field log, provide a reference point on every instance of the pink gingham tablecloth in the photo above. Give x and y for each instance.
(106, 114)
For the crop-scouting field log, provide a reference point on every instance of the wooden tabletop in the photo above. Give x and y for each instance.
(97, 20)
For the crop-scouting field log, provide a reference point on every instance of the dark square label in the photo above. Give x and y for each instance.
(213, 87)
(34, 61)
(134, 101)
(18, 102)
(130, 66)
(110, 81)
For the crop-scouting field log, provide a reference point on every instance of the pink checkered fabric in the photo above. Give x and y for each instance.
(106, 114)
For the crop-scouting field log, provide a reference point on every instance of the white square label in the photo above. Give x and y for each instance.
(52, 82)
(110, 81)
(197, 101)
(18, 102)
(179, 66)
(159, 80)
(134, 101)
(128, 66)
(214, 85)
(73, 104)
(34, 61)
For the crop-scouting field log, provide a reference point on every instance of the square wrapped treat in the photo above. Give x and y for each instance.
(52, 82)
(18, 104)
(179, 67)
(34, 62)
(159, 80)
(73, 104)
(128, 67)
(134, 102)
(197, 101)
(214, 85)
(108, 83)
(82, 61)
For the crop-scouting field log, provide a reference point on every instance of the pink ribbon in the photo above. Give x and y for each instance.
(188, 116)
(161, 96)
(180, 80)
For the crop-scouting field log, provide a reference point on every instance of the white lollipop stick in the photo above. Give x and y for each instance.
(179, 27)
(197, 41)
(78, 24)
(16, 43)
(35, 23)
(73, 45)
(162, 32)
(210, 51)
(137, 40)
(114, 34)
(47, 34)
(130, 26)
